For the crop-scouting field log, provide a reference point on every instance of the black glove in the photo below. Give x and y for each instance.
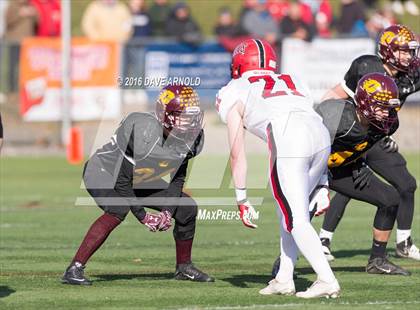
(389, 145)
(362, 176)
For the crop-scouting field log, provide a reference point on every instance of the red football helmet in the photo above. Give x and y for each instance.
(397, 38)
(252, 54)
(377, 100)
(178, 109)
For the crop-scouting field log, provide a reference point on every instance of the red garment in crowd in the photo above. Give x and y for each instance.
(49, 23)
(278, 9)
(306, 11)
(325, 7)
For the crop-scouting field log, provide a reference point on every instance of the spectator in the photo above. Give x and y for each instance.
(21, 20)
(278, 9)
(380, 20)
(140, 20)
(324, 19)
(3, 8)
(293, 26)
(229, 33)
(399, 6)
(159, 13)
(259, 23)
(107, 20)
(181, 25)
(49, 12)
(306, 8)
(352, 19)
(226, 25)
(371, 4)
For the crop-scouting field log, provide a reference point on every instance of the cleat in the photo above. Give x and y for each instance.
(321, 289)
(277, 288)
(381, 265)
(190, 272)
(74, 274)
(406, 249)
(326, 249)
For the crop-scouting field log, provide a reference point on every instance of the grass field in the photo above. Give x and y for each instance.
(40, 229)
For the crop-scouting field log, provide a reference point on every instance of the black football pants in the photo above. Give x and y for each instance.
(383, 196)
(393, 168)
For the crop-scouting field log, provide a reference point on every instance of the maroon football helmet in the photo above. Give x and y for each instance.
(393, 40)
(178, 109)
(252, 54)
(377, 100)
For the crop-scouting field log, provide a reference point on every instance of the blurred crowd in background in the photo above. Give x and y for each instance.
(270, 19)
(137, 20)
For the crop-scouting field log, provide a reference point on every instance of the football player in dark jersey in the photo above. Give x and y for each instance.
(397, 58)
(127, 175)
(356, 126)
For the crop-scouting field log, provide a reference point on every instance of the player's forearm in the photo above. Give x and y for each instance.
(335, 93)
(239, 170)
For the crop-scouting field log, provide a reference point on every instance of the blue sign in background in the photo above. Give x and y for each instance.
(209, 62)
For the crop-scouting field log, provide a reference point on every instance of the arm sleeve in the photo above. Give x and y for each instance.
(124, 186)
(178, 180)
(351, 78)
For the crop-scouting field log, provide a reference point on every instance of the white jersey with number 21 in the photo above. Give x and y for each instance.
(267, 97)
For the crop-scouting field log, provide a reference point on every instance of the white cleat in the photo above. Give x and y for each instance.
(407, 249)
(321, 289)
(277, 288)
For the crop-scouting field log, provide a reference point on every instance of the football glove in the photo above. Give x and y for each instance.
(389, 145)
(166, 221)
(320, 200)
(247, 213)
(157, 221)
(362, 176)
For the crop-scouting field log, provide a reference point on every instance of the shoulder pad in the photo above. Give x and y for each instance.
(145, 129)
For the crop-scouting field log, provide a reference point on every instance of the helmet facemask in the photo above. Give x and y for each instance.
(185, 125)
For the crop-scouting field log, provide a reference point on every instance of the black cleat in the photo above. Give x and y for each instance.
(74, 274)
(190, 272)
(381, 265)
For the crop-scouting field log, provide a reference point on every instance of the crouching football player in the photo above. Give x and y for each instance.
(126, 175)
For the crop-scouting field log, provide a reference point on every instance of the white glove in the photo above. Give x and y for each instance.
(320, 201)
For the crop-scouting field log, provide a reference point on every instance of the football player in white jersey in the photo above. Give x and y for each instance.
(278, 109)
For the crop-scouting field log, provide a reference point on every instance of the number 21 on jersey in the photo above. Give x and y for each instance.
(277, 82)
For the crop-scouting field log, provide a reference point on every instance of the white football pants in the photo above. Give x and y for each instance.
(299, 146)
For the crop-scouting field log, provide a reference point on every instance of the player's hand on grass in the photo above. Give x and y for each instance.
(157, 221)
(362, 176)
(247, 213)
(320, 201)
(389, 145)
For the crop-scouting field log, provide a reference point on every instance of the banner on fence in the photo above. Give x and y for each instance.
(322, 63)
(94, 69)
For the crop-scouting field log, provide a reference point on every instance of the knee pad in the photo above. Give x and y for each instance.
(119, 215)
(408, 186)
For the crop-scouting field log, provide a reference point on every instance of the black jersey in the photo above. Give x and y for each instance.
(349, 138)
(408, 83)
(139, 156)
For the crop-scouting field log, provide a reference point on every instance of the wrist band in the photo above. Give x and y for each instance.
(240, 194)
